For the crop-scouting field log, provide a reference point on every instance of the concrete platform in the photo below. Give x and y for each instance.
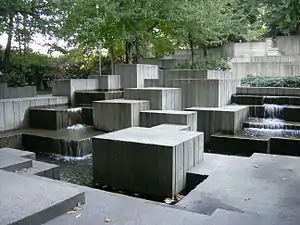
(34, 201)
(146, 161)
(112, 115)
(260, 100)
(228, 119)
(17, 153)
(265, 186)
(159, 98)
(14, 163)
(171, 127)
(152, 118)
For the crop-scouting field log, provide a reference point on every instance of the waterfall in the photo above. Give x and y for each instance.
(74, 115)
(272, 111)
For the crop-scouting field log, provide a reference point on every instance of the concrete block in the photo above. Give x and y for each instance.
(228, 119)
(152, 118)
(111, 115)
(132, 76)
(32, 200)
(86, 98)
(14, 163)
(2, 117)
(161, 63)
(160, 98)
(204, 92)
(268, 91)
(171, 127)
(152, 83)
(17, 153)
(146, 161)
(108, 82)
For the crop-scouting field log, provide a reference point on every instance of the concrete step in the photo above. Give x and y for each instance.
(14, 163)
(150, 118)
(260, 100)
(171, 127)
(34, 201)
(17, 153)
(86, 98)
(42, 169)
(269, 123)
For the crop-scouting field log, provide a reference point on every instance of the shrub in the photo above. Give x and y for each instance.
(260, 81)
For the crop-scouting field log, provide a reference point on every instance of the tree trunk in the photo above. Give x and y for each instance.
(128, 52)
(205, 51)
(137, 49)
(112, 60)
(8, 44)
(192, 46)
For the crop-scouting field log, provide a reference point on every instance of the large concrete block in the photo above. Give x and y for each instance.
(152, 118)
(146, 161)
(228, 119)
(86, 98)
(161, 63)
(108, 82)
(132, 76)
(204, 92)
(159, 97)
(69, 87)
(111, 115)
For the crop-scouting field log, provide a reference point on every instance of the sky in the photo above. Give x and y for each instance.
(37, 45)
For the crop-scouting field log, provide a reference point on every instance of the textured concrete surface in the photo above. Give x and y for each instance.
(108, 82)
(268, 91)
(152, 118)
(159, 97)
(146, 161)
(132, 76)
(14, 112)
(16, 152)
(228, 119)
(86, 98)
(34, 201)
(17, 92)
(264, 185)
(112, 115)
(14, 163)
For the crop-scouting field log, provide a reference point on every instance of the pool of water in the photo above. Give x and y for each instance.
(77, 170)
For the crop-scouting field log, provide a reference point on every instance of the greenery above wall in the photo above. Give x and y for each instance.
(208, 63)
(260, 81)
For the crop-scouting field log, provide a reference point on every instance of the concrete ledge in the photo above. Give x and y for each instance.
(14, 163)
(108, 82)
(171, 127)
(228, 119)
(86, 98)
(112, 115)
(17, 153)
(152, 118)
(17, 92)
(14, 112)
(146, 161)
(160, 98)
(268, 91)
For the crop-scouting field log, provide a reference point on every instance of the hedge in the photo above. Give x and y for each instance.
(260, 81)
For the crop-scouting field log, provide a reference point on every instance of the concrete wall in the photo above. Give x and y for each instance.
(161, 63)
(132, 76)
(250, 49)
(228, 119)
(205, 93)
(269, 69)
(288, 45)
(14, 112)
(108, 82)
(69, 87)
(16, 92)
(268, 91)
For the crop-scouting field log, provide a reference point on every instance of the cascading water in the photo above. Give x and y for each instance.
(272, 111)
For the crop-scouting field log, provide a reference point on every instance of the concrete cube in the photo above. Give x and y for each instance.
(132, 76)
(152, 118)
(228, 119)
(108, 82)
(146, 161)
(111, 115)
(159, 97)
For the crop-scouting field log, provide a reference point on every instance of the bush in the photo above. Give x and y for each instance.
(260, 81)
(209, 64)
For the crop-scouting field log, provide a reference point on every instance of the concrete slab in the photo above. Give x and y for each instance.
(146, 161)
(266, 186)
(86, 98)
(160, 98)
(28, 200)
(112, 115)
(152, 118)
(108, 82)
(14, 163)
(17, 152)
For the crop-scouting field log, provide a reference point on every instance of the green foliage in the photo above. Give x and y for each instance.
(259, 81)
(209, 64)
